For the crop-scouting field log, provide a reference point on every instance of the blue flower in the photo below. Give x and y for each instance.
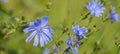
(69, 44)
(79, 31)
(95, 8)
(40, 30)
(114, 16)
(77, 43)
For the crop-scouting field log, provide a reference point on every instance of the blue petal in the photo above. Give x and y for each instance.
(75, 29)
(114, 16)
(69, 42)
(38, 22)
(26, 30)
(30, 37)
(47, 34)
(41, 42)
(31, 24)
(45, 38)
(44, 21)
(49, 28)
(84, 30)
(36, 39)
(83, 36)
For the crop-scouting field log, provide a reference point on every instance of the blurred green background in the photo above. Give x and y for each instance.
(103, 38)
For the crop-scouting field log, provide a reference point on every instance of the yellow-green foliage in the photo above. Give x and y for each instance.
(104, 37)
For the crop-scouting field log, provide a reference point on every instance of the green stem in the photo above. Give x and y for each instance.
(103, 34)
(118, 50)
(82, 18)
